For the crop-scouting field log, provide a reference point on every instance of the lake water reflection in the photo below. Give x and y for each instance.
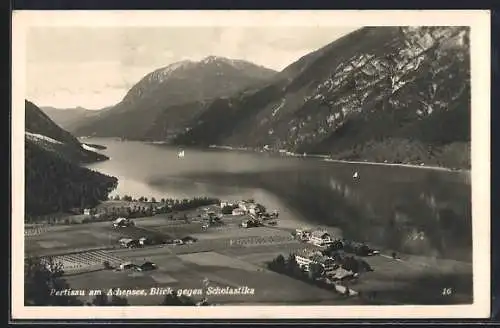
(410, 210)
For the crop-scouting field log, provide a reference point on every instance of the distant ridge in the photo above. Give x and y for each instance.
(161, 94)
(68, 118)
(395, 94)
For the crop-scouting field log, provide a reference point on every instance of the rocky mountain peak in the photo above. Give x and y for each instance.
(358, 92)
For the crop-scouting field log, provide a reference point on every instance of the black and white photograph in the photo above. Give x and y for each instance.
(260, 164)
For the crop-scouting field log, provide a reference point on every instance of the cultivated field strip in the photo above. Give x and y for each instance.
(36, 231)
(239, 242)
(282, 248)
(86, 261)
(261, 240)
(139, 232)
(212, 245)
(40, 229)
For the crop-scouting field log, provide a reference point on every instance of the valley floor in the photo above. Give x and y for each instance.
(232, 256)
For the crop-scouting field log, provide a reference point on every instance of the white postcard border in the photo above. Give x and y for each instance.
(479, 21)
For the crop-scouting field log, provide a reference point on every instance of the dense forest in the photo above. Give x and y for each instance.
(54, 179)
(54, 184)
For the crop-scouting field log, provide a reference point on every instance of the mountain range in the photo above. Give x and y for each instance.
(68, 118)
(167, 93)
(395, 94)
(54, 178)
(384, 94)
(42, 131)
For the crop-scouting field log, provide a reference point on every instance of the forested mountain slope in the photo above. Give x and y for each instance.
(40, 129)
(54, 179)
(158, 100)
(54, 184)
(396, 94)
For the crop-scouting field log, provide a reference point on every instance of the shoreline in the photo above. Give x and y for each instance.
(95, 147)
(414, 166)
(327, 158)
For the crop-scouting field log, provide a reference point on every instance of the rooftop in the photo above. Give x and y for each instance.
(313, 255)
(340, 273)
(320, 258)
(306, 252)
(320, 233)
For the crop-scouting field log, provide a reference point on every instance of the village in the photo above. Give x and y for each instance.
(326, 256)
(180, 244)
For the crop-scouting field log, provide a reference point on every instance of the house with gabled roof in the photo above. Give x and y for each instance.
(320, 238)
(306, 256)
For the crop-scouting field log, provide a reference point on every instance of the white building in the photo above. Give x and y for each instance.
(303, 234)
(320, 238)
(243, 206)
(121, 222)
(238, 211)
(303, 260)
(88, 211)
(125, 242)
(253, 209)
(126, 265)
(224, 204)
(306, 257)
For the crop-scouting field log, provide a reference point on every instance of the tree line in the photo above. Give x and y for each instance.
(143, 207)
(161, 206)
(316, 271)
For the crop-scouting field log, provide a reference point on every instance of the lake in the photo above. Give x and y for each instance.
(410, 210)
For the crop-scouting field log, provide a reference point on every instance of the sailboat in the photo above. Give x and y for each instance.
(180, 154)
(355, 175)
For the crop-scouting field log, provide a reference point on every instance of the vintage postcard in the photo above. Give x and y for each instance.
(250, 164)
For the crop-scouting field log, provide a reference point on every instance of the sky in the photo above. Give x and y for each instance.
(94, 67)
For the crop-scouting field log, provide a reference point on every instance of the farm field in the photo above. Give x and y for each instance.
(65, 239)
(86, 261)
(187, 272)
(232, 256)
